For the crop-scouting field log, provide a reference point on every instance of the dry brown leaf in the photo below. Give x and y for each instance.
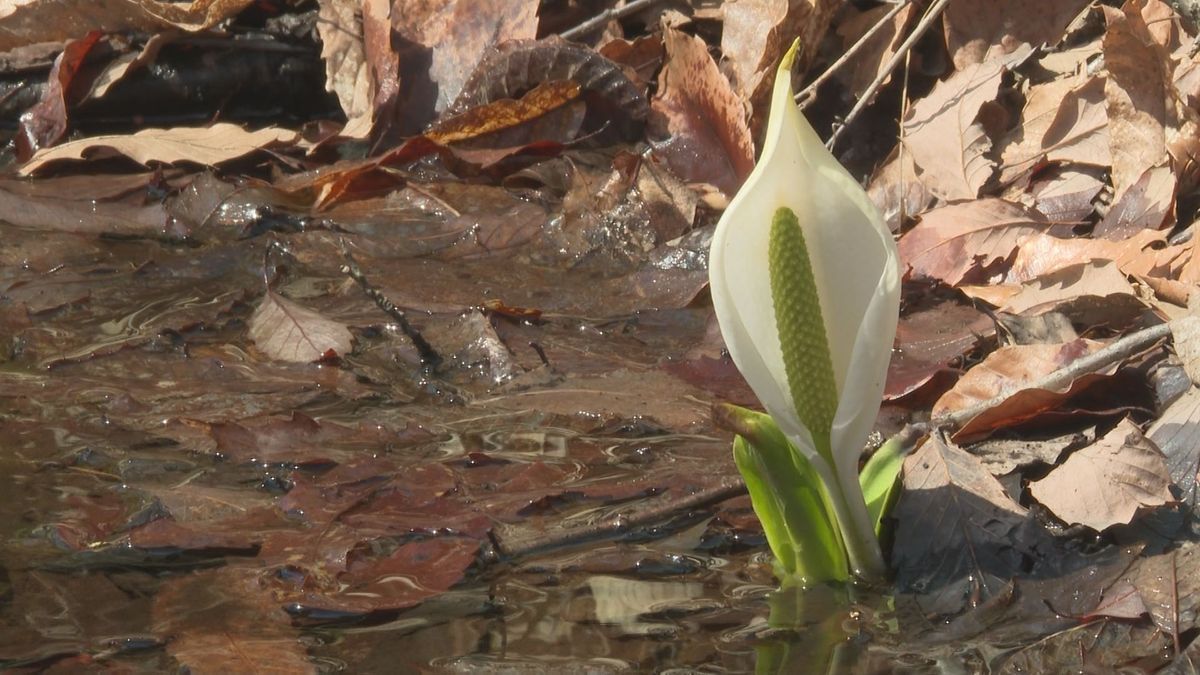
(755, 33)
(202, 145)
(286, 331)
(446, 39)
(1162, 23)
(346, 70)
(1062, 121)
(898, 192)
(959, 533)
(959, 242)
(871, 60)
(1140, 256)
(1091, 293)
(1066, 195)
(24, 22)
(1137, 94)
(1108, 482)
(1008, 372)
(980, 30)
(697, 118)
(946, 140)
(1148, 204)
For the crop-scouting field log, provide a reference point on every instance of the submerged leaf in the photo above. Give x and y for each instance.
(286, 331)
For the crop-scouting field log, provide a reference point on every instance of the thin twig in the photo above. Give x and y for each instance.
(607, 15)
(931, 15)
(809, 93)
(1056, 381)
(429, 356)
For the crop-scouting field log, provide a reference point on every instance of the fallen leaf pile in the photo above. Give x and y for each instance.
(333, 317)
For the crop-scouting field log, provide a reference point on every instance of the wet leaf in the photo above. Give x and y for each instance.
(1169, 584)
(212, 145)
(45, 123)
(221, 621)
(1108, 482)
(551, 111)
(697, 121)
(959, 537)
(616, 107)
(289, 332)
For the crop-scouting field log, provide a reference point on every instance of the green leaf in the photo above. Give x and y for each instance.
(801, 327)
(787, 498)
(880, 479)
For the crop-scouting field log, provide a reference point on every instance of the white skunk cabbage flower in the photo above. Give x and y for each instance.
(805, 282)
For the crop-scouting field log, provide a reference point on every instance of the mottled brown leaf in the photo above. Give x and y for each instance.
(1108, 482)
(1149, 203)
(698, 121)
(286, 331)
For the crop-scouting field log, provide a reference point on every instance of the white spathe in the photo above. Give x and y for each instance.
(856, 270)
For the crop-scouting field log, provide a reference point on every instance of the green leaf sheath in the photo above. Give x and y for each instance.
(801, 329)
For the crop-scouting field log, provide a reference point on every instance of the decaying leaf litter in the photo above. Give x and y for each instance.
(221, 453)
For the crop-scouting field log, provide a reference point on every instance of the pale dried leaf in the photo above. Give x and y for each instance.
(946, 140)
(286, 331)
(1040, 254)
(981, 30)
(1137, 93)
(959, 241)
(346, 69)
(1091, 293)
(1108, 482)
(446, 39)
(1185, 332)
(202, 145)
(1062, 121)
(25, 22)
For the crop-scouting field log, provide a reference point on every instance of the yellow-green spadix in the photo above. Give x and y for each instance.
(806, 286)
